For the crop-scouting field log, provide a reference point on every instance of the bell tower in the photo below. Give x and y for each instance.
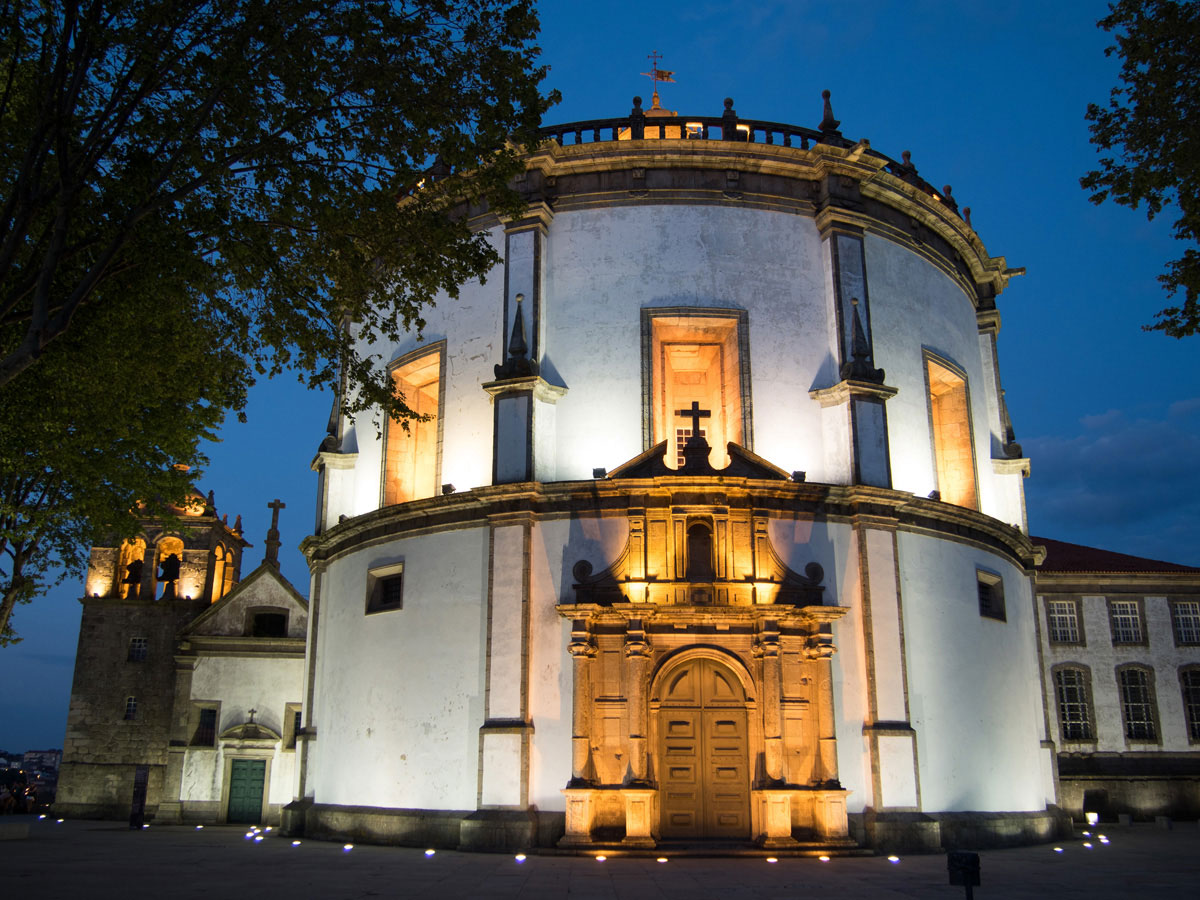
(138, 594)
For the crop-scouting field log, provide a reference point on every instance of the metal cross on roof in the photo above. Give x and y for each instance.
(695, 414)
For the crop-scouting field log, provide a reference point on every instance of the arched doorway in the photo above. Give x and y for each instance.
(703, 753)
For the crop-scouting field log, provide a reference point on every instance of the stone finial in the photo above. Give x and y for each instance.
(907, 163)
(829, 124)
(967, 216)
(237, 524)
(729, 129)
(210, 504)
(948, 198)
(518, 364)
(859, 367)
(637, 106)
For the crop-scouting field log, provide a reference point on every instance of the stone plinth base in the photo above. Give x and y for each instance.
(498, 829)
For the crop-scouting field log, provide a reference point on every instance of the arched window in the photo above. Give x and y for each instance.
(1138, 710)
(1072, 690)
(167, 567)
(222, 581)
(129, 568)
(1189, 682)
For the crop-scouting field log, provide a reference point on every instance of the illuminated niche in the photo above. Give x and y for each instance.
(166, 547)
(950, 425)
(222, 581)
(696, 356)
(411, 450)
(131, 552)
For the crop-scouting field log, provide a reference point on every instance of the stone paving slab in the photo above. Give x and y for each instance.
(98, 860)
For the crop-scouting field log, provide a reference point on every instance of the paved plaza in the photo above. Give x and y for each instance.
(94, 860)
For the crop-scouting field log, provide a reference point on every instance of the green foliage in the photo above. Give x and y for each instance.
(1152, 127)
(193, 194)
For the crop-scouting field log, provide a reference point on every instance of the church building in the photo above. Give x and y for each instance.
(713, 530)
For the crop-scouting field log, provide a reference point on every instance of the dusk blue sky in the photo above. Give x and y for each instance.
(990, 98)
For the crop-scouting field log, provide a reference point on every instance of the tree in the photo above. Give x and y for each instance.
(193, 194)
(1152, 126)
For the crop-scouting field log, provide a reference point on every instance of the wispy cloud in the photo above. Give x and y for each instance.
(1124, 480)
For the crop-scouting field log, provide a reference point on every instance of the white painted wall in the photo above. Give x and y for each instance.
(241, 684)
(973, 686)
(399, 695)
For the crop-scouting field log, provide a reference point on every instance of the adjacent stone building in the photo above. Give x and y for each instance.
(1120, 642)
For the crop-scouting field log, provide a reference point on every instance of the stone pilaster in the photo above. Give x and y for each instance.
(637, 661)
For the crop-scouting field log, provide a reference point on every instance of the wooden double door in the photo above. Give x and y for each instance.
(703, 754)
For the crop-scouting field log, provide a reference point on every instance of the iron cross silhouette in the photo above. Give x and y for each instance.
(695, 414)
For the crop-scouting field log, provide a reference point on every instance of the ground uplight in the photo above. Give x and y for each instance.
(893, 859)
(520, 857)
(823, 858)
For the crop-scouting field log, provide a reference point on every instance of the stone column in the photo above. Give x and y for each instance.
(637, 661)
(582, 651)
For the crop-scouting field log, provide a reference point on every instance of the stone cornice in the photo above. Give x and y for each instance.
(842, 392)
(615, 497)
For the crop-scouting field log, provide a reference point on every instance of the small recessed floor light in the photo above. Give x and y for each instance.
(42, 816)
(59, 821)
(520, 857)
(601, 858)
(772, 859)
(268, 828)
(145, 826)
(257, 838)
(295, 843)
(430, 852)
(662, 859)
(199, 827)
(1087, 844)
(347, 847)
(1058, 849)
(823, 858)
(893, 859)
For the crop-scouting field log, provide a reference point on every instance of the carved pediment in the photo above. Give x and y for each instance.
(742, 463)
(692, 556)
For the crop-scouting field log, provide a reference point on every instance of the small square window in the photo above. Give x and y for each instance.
(991, 595)
(138, 649)
(1185, 617)
(385, 588)
(1125, 617)
(268, 623)
(130, 708)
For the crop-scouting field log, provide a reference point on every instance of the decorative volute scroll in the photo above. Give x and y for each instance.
(714, 556)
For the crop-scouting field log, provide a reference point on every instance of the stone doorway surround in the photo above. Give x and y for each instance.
(760, 621)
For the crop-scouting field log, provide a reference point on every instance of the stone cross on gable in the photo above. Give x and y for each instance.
(695, 414)
(272, 541)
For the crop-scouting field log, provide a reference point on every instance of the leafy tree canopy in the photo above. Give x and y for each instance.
(193, 194)
(1151, 128)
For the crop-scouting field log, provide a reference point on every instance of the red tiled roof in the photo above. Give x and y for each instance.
(1064, 557)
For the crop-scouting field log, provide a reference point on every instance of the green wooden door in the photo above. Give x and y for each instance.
(246, 791)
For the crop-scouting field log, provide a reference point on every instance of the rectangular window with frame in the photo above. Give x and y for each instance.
(292, 718)
(1185, 620)
(1189, 682)
(385, 588)
(1074, 706)
(204, 725)
(412, 449)
(991, 595)
(1125, 619)
(950, 427)
(139, 649)
(696, 355)
(1062, 621)
(130, 708)
(1137, 704)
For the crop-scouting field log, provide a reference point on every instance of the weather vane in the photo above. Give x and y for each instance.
(656, 74)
